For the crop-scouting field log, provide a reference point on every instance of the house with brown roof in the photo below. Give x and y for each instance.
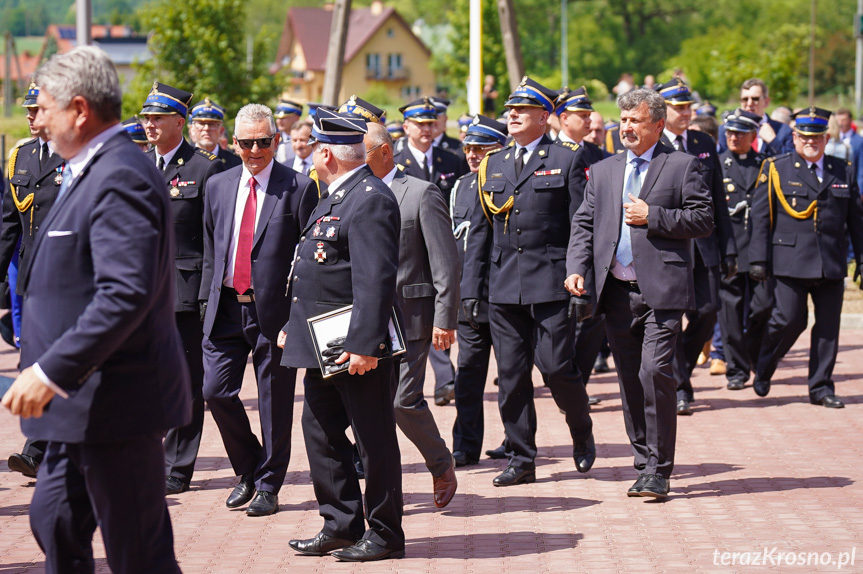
(381, 53)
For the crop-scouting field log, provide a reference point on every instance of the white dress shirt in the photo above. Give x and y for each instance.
(421, 157)
(168, 156)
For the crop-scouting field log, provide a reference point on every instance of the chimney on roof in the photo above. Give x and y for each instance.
(377, 7)
(329, 6)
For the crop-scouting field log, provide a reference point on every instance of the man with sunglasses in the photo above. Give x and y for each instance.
(804, 205)
(774, 137)
(253, 215)
(185, 171)
(207, 121)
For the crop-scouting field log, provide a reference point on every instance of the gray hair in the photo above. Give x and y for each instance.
(253, 113)
(655, 103)
(351, 153)
(84, 71)
(378, 134)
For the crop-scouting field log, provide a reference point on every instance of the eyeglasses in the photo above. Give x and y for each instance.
(263, 143)
(753, 99)
(371, 149)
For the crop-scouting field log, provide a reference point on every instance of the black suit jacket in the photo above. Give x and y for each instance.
(739, 177)
(98, 305)
(289, 200)
(680, 210)
(446, 168)
(28, 179)
(186, 177)
(813, 247)
(465, 200)
(348, 254)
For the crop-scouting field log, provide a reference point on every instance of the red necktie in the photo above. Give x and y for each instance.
(243, 261)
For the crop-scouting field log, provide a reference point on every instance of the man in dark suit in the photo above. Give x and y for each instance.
(483, 135)
(746, 303)
(715, 255)
(804, 205)
(853, 140)
(252, 217)
(104, 373)
(349, 255)
(774, 137)
(185, 171)
(421, 159)
(528, 192)
(206, 120)
(34, 180)
(631, 251)
(427, 291)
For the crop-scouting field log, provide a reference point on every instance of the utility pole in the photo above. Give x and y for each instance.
(858, 68)
(476, 80)
(336, 52)
(564, 42)
(7, 81)
(812, 56)
(511, 43)
(83, 22)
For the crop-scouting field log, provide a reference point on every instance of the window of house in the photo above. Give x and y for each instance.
(373, 65)
(395, 64)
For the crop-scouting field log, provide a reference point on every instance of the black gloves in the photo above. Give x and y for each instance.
(729, 267)
(758, 271)
(202, 309)
(857, 273)
(471, 311)
(582, 308)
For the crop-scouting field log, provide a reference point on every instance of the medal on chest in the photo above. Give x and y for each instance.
(175, 191)
(320, 255)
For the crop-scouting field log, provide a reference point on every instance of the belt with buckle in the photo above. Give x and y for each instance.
(248, 297)
(628, 285)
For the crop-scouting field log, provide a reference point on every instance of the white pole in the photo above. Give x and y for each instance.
(83, 21)
(858, 68)
(475, 81)
(564, 43)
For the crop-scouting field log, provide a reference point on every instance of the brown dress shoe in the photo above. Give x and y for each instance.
(444, 487)
(717, 367)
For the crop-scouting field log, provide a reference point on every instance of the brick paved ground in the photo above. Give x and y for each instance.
(751, 473)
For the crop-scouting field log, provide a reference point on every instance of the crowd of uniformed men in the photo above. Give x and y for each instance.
(543, 235)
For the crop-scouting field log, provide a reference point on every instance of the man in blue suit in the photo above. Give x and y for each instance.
(252, 220)
(104, 372)
(774, 137)
(853, 140)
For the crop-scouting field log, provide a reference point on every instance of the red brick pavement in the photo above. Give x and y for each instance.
(751, 474)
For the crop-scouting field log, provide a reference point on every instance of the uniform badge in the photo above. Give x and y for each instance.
(728, 162)
(175, 192)
(58, 179)
(320, 256)
(180, 161)
(339, 193)
(506, 156)
(331, 232)
(316, 232)
(829, 166)
(793, 202)
(727, 198)
(369, 188)
(730, 187)
(762, 178)
(541, 152)
(796, 164)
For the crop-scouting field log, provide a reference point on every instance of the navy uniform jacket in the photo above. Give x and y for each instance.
(186, 177)
(28, 179)
(782, 143)
(229, 158)
(465, 199)
(613, 145)
(680, 209)
(446, 168)
(288, 203)
(523, 256)
(348, 255)
(739, 177)
(814, 247)
(720, 243)
(98, 305)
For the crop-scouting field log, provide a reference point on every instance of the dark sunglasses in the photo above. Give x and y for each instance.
(752, 99)
(263, 143)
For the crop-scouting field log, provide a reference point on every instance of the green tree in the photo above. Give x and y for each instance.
(201, 47)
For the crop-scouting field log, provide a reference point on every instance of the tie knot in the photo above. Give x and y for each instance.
(637, 162)
(252, 183)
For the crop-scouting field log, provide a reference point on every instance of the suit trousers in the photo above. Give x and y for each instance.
(474, 351)
(413, 415)
(235, 334)
(699, 328)
(746, 308)
(364, 403)
(444, 372)
(119, 486)
(589, 337)
(642, 342)
(788, 321)
(542, 334)
(181, 444)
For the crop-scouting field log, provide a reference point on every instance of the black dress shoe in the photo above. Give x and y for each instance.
(655, 487)
(320, 545)
(683, 407)
(463, 459)
(761, 386)
(593, 401)
(830, 401)
(498, 453)
(514, 475)
(174, 485)
(635, 489)
(264, 504)
(366, 551)
(584, 454)
(24, 464)
(444, 395)
(242, 493)
(601, 365)
(735, 385)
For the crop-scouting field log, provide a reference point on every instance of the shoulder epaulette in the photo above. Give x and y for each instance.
(400, 166)
(206, 154)
(510, 144)
(500, 149)
(26, 142)
(570, 145)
